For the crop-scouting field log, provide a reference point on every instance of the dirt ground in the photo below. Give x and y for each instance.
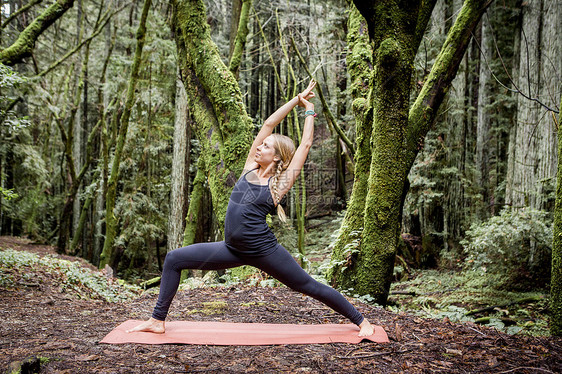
(39, 320)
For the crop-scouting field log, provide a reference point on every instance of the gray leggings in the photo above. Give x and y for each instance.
(279, 264)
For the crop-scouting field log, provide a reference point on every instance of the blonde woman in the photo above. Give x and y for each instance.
(271, 169)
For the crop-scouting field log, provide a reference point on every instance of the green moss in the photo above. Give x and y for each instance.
(214, 305)
(253, 303)
(210, 308)
(243, 272)
(23, 46)
(388, 52)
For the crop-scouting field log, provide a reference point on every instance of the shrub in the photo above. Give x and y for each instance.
(516, 243)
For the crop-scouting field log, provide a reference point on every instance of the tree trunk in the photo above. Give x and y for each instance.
(75, 177)
(215, 102)
(103, 104)
(180, 171)
(234, 21)
(82, 219)
(359, 63)
(110, 219)
(556, 275)
(397, 130)
(195, 203)
(483, 138)
(454, 209)
(78, 125)
(532, 155)
(240, 40)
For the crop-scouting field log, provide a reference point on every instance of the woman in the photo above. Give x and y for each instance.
(271, 169)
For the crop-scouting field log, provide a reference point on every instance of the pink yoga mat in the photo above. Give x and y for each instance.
(226, 333)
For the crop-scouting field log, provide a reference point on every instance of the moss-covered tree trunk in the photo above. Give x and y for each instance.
(395, 32)
(111, 195)
(240, 39)
(359, 65)
(556, 275)
(222, 125)
(23, 46)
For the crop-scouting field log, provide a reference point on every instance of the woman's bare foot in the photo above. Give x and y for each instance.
(152, 325)
(366, 328)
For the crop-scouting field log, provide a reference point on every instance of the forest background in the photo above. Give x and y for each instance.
(482, 189)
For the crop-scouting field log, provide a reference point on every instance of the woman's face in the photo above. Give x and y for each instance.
(265, 153)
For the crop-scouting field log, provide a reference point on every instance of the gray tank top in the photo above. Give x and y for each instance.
(245, 230)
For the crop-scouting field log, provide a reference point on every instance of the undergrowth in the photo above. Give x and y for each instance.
(19, 267)
(453, 294)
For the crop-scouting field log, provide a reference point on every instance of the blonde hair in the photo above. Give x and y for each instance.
(285, 149)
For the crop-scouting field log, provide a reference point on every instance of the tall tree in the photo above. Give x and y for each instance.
(359, 62)
(395, 31)
(215, 102)
(180, 171)
(556, 275)
(532, 153)
(241, 35)
(110, 218)
(76, 171)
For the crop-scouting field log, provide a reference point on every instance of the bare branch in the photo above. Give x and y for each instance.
(517, 89)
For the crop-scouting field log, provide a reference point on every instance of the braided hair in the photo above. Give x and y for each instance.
(285, 149)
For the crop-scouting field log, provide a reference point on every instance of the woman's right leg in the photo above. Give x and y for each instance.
(202, 256)
(283, 267)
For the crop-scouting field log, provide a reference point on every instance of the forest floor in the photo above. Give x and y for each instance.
(63, 328)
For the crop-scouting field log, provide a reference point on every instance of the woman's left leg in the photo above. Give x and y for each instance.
(283, 267)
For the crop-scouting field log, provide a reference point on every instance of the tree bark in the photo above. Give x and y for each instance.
(195, 204)
(235, 10)
(76, 178)
(483, 125)
(103, 105)
(77, 143)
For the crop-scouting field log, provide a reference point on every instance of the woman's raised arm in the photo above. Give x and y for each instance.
(289, 176)
(267, 129)
(274, 120)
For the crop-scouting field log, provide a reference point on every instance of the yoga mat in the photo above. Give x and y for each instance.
(226, 333)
